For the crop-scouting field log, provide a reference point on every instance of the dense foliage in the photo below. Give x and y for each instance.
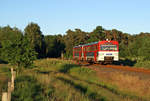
(18, 52)
(134, 47)
(35, 37)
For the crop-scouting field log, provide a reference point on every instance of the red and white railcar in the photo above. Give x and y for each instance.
(101, 51)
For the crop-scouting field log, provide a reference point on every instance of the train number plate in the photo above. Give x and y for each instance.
(108, 53)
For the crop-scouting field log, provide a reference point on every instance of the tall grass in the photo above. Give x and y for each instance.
(132, 83)
(76, 72)
(57, 90)
(105, 81)
(62, 80)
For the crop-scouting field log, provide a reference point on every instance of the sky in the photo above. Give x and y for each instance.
(57, 16)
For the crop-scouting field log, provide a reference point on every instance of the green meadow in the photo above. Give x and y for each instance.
(63, 80)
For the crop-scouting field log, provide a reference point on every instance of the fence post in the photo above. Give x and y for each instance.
(12, 79)
(9, 92)
(62, 55)
(4, 96)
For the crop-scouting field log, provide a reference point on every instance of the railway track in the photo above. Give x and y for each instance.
(125, 68)
(118, 67)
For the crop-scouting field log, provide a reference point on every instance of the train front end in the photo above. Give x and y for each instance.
(108, 51)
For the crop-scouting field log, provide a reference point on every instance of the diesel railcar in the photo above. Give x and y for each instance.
(100, 51)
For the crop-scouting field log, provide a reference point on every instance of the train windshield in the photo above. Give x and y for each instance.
(109, 47)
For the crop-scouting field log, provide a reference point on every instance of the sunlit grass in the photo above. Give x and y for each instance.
(75, 71)
(63, 80)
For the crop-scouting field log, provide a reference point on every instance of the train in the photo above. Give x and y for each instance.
(106, 51)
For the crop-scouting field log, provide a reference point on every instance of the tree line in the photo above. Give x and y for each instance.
(22, 47)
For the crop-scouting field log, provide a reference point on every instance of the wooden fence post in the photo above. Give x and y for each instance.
(62, 55)
(9, 92)
(4, 96)
(12, 79)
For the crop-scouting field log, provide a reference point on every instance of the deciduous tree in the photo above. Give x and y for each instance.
(18, 52)
(36, 39)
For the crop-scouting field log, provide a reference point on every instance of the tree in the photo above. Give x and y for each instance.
(97, 34)
(74, 38)
(140, 48)
(117, 35)
(9, 34)
(18, 53)
(124, 50)
(36, 39)
(54, 45)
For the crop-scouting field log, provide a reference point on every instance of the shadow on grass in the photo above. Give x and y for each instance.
(83, 89)
(111, 89)
(99, 85)
(125, 62)
(66, 67)
(42, 72)
(3, 62)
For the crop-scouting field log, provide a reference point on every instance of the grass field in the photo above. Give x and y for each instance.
(62, 80)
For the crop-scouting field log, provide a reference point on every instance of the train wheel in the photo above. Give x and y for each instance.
(90, 62)
(101, 63)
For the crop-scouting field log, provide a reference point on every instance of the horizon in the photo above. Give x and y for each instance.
(56, 17)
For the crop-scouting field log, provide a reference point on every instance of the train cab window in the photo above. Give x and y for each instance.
(108, 47)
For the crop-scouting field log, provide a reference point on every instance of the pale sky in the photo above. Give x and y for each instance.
(57, 16)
